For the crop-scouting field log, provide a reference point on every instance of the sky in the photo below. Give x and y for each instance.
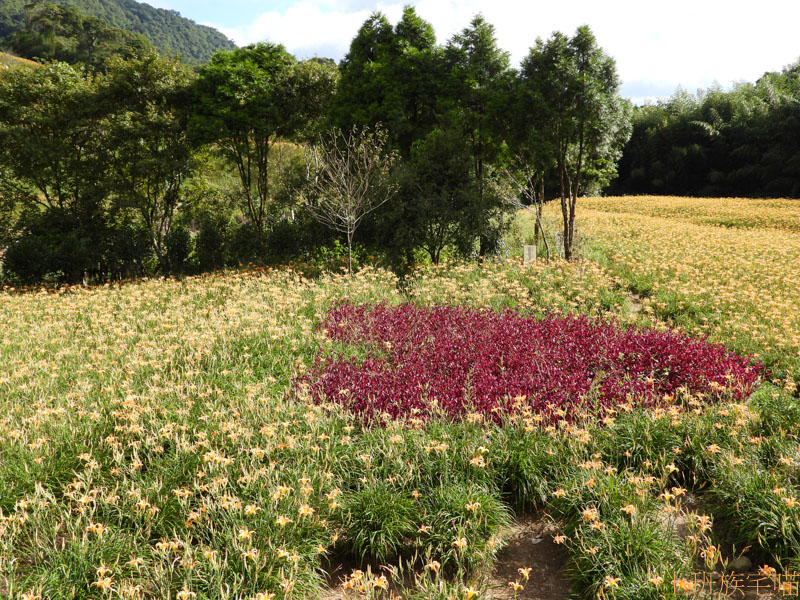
(658, 46)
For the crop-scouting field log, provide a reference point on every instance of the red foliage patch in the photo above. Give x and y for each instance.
(475, 360)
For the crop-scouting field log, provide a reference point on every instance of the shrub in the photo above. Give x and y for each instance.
(244, 244)
(211, 244)
(129, 251)
(464, 524)
(178, 244)
(55, 245)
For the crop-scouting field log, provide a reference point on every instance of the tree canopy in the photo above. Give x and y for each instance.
(126, 160)
(247, 100)
(569, 88)
(742, 142)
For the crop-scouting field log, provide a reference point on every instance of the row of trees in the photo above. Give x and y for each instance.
(444, 139)
(743, 142)
(95, 168)
(460, 117)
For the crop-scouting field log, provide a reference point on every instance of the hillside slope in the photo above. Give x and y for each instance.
(8, 61)
(165, 29)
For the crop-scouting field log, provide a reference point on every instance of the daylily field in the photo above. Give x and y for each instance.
(261, 435)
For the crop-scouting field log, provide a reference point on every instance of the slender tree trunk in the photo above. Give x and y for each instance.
(349, 252)
(544, 237)
(538, 230)
(539, 201)
(562, 168)
(574, 188)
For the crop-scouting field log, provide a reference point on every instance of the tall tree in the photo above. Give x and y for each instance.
(360, 97)
(478, 91)
(533, 161)
(50, 136)
(148, 141)
(417, 73)
(741, 142)
(51, 142)
(246, 101)
(441, 204)
(578, 107)
(393, 77)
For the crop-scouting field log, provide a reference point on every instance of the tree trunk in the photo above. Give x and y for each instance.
(564, 206)
(349, 252)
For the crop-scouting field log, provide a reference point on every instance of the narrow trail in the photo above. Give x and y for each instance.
(530, 544)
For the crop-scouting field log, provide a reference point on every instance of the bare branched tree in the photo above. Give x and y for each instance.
(348, 178)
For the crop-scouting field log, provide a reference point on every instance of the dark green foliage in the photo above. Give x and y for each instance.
(62, 33)
(211, 244)
(478, 83)
(12, 16)
(244, 245)
(27, 259)
(80, 155)
(129, 250)
(165, 29)
(393, 77)
(360, 96)
(51, 150)
(478, 70)
(301, 237)
(118, 146)
(245, 102)
(442, 109)
(178, 244)
(55, 245)
(146, 140)
(744, 142)
(439, 206)
(50, 136)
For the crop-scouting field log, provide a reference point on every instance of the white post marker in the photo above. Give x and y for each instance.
(528, 254)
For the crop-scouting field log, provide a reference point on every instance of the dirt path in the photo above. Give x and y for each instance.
(530, 544)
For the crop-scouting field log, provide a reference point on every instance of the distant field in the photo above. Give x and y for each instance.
(724, 267)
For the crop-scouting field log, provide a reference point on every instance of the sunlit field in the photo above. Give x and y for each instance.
(724, 267)
(165, 439)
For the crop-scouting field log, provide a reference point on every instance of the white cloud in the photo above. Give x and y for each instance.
(308, 28)
(684, 42)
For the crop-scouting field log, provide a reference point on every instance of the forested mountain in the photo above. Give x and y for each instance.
(165, 29)
(63, 33)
